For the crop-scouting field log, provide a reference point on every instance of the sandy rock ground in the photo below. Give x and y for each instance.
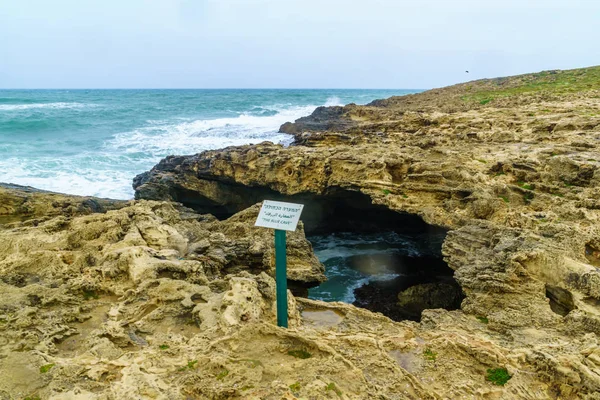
(515, 178)
(154, 300)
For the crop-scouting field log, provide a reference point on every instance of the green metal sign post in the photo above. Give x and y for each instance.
(282, 217)
(281, 278)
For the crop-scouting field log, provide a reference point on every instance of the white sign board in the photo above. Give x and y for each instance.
(279, 215)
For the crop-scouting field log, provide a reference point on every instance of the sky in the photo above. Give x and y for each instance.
(417, 44)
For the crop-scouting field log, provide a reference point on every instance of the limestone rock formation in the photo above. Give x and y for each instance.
(510, 166)
(19, 203)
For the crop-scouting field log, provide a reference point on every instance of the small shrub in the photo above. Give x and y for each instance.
(46, 368)
(527, 197)
(429, 354)
(483, 320)
(498, 376)
(303, 354)
(332, 386)
(386, 192)
(163, 346)
(223, 374)
(90, 294)
(190, 365)
(295, 387)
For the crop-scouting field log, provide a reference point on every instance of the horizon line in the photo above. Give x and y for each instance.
(224, 88)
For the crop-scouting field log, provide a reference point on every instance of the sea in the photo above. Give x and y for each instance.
(93, 142)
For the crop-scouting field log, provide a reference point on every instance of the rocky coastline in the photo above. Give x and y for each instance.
(171, 295)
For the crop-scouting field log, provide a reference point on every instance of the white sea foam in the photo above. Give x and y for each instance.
(349, 296)
(189, 137)
(15, 107)
(333, 101)
(73, 177)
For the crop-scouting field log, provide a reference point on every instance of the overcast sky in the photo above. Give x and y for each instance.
(289, 43)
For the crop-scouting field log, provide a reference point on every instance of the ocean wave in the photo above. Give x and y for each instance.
(59, 105)
(333, 101)
(206, 134)
(72, 177)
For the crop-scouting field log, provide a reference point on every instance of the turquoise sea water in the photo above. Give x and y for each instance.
(93, 142)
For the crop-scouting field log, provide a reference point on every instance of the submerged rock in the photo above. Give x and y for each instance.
(415, 299)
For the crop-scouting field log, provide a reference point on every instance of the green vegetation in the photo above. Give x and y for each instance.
(429, 354)
(247, 387)
(498, 376)
(386, 192)
(295, 387)
(332, 386)
(163, 346)
(525, 185)
(404, 196)
(482, 161)
(303, 354)
(527, 197)
(32, 398)
(190, 365)
(90, 294)
(483, 320)
(46, 368)
(221, 375)
(506, 200)
(554, 82)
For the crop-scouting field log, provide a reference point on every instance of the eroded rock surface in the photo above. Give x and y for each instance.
(510, 166)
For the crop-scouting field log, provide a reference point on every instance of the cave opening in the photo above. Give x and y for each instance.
(381, 260)
(375, 258)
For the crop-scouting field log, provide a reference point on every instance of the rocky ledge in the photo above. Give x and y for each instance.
(171, 296)
(509, 166)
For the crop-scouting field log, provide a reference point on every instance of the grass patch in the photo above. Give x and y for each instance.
(90, 294)
(498, 376)
(525, 185)
(333, 387)
(482, 161)
(429, 354)
(221, 375)
(190, 365)
(527, 197)
(386, 192)
(46, 368)
(163, 346)
(483, 320)
(303, 354)
(551, 82)
(506, 200)
(295, 387)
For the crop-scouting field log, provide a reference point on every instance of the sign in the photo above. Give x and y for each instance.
(279, 215)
